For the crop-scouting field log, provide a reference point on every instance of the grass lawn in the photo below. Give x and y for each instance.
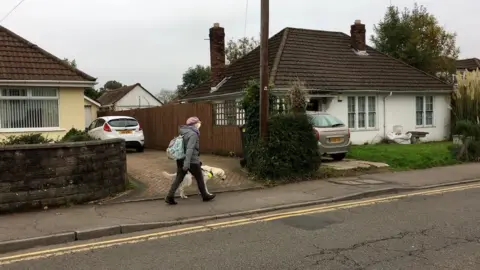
(406, 157)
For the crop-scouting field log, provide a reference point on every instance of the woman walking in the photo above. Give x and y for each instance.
(191, 163)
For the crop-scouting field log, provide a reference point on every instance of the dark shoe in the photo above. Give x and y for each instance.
(170, 201)
(209, 197)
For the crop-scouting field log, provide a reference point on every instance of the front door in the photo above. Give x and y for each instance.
(88, 115)
(313, 105)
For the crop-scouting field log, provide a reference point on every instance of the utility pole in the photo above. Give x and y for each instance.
(264, 78)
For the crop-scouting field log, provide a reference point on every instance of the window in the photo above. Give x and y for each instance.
(362, 112)
(325, 121)
(240, 114)
(351, 112)
(29, 108)
(424, 110)
(372, 112)
(279, 105)
(123, 122)
(93, 124)
(99, 123)
(228, 112)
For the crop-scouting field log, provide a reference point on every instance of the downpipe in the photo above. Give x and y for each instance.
(385, 114)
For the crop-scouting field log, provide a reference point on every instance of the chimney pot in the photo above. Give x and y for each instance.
(357, 33)
(217, 53)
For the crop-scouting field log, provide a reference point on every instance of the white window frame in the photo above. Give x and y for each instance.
(30, 96)
(228, 114)
(366, 111)
(424, 111)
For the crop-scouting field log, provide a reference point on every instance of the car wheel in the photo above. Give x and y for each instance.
(338, 157)
(140, 149)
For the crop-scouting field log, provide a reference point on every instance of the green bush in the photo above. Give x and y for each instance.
(75, 135)
(466, 129)
(251, 105)
(291, 151)
(469, 133)
(33, 138)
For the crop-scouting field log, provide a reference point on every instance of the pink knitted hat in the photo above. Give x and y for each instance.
(192, 120)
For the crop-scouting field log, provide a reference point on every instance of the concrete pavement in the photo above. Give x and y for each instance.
(427, 230)
(90, 221)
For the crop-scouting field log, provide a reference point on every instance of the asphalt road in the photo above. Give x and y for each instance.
(420, 232)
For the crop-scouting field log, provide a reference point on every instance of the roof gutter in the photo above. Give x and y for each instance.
(332, 92)
(399, 92)
(329, 93)
(92, 101)
(273, 91)
(213, 96)
(48, 83)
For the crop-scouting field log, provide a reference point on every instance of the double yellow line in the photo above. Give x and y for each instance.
(215, 226)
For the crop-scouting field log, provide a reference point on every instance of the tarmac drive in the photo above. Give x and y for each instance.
(421, 232)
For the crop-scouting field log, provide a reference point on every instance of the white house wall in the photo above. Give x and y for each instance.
(400, 110)
(137, 98)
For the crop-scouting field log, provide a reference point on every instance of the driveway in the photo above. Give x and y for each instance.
(146, 169)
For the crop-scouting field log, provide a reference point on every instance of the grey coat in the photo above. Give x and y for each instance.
(191, 143)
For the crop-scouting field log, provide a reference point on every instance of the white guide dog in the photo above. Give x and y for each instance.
(208, 173)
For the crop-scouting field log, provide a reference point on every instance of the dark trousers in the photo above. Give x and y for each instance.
(196, 171)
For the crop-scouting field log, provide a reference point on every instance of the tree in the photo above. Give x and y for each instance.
(192, 78)
(72, 63)
(238, 49)
(92, 93)
(415, 37)
(112, 84)
(165, 96)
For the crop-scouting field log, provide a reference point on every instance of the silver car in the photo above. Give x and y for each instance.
(332, 134)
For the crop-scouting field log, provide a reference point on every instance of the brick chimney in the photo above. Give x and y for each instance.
(357, 33)
(217, 53)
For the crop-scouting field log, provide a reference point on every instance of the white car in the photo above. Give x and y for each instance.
(124, 127)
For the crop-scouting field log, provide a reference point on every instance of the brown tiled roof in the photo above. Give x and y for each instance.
(469, 63)
(326, 62)
(23, 60)
(112, 96)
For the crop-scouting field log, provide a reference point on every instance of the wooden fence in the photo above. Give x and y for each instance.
(160, 125)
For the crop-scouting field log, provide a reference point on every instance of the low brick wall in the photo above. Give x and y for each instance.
(35, 176)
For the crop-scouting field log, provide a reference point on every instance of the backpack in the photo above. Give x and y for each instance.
(175, 149)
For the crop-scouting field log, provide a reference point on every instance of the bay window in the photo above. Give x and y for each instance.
(28, 108)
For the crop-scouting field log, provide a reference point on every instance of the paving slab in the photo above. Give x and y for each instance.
(351, 164)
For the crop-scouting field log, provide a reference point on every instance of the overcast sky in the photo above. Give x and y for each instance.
(154, 41)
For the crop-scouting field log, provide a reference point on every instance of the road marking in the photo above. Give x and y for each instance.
(220, 225)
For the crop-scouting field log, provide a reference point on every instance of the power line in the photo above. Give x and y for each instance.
(246, 17)
(13, 9)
